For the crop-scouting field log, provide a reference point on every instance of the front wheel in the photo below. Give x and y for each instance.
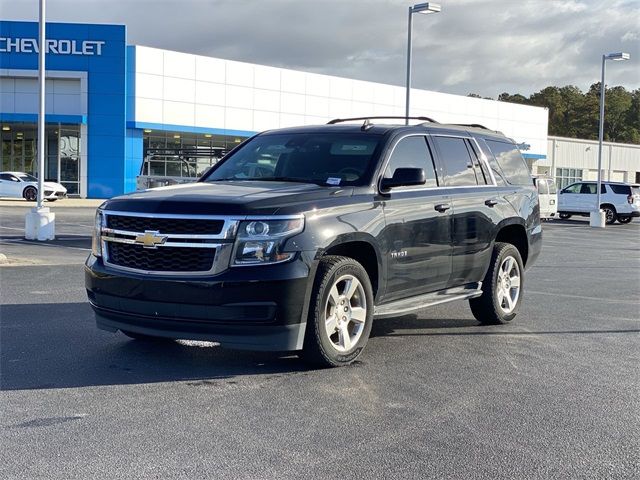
(340, 314)
(564, 216)
(501, 288)
(30, 194)
(624, 219)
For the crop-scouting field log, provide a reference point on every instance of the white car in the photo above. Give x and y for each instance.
(23, 185)
(619, 201)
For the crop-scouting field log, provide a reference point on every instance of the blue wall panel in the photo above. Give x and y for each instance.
(107, 97)
(133, 161)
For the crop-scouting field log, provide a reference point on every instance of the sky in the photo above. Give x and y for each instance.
(472, 46)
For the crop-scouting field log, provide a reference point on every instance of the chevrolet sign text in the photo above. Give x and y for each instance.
(55, 46)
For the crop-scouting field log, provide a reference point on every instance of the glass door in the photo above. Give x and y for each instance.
(69, 158)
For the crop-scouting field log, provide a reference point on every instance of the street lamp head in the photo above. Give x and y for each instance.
(617, 57)
(426, 8)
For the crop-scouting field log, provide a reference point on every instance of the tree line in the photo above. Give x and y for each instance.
(575, 114)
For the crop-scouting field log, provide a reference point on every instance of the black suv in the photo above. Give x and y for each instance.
(300, 237)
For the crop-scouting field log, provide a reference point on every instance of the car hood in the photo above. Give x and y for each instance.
(228, 198)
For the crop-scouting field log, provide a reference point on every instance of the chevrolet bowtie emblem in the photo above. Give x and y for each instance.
(151, 239)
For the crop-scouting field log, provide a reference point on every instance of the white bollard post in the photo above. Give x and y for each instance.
(40, 224)
(597, 219)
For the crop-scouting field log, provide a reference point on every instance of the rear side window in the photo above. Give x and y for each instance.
(552, 187)
(513, 166)
(412, 152)
(621, 189)
(457, 162)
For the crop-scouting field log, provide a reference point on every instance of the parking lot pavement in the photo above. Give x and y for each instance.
(556, 394)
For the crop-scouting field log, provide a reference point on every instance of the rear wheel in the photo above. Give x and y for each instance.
(30, 194)
(609, 214)
(340, 314)
(501, 288)
(624, 219)
(564, 216)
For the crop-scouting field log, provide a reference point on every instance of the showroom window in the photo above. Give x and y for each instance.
(185, 155)
(567, 176)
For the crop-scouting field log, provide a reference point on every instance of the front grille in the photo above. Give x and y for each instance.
(176, 226)
(165, 259)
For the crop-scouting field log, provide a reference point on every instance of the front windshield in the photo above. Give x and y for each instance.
(25, 177)
(321, 158)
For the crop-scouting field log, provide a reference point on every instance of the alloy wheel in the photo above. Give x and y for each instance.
(345, 313)
(509, 281)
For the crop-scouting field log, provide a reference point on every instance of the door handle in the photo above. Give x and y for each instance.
(442, 207)
(492, 202)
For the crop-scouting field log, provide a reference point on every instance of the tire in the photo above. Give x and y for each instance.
(145, 338)
(30, 194)
(564, 216)
(609, 214)
(52, 199)
(493, 307)
(341, 286)
(625, 219)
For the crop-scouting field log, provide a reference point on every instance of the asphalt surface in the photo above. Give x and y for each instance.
(556, 394)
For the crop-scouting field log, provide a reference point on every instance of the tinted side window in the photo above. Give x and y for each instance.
(621, 189)
(5, 176)
(511, 162)
(493, 165)
(412, 152)
(592, 188)
(456, 160)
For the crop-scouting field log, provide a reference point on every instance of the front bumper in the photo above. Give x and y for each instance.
(54, 195)
(257, 308)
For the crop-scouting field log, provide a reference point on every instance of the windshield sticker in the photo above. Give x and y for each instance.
(333, 181)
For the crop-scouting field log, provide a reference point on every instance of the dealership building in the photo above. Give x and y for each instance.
(112, 108)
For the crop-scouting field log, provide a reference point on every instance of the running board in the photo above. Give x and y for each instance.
(408, 305)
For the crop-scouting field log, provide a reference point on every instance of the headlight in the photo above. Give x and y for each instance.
(260, 242)
(96, 239)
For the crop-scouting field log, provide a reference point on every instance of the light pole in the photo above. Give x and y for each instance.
(424, 8)
(40, 222)
(597, 218)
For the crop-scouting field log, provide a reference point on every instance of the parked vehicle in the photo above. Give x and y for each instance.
(23, 185)
(548, 195)
(298, 238)
(619, 201)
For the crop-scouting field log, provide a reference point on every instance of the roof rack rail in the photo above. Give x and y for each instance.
(367, 120)
(472, 125)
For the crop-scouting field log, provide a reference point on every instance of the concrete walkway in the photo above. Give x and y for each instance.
(65, 202)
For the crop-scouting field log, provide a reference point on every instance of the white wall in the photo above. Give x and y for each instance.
(623, 160)
(190, 90)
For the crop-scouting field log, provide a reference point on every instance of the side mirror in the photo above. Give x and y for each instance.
(404, 177)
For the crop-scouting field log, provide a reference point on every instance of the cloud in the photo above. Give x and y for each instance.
(481, 46)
